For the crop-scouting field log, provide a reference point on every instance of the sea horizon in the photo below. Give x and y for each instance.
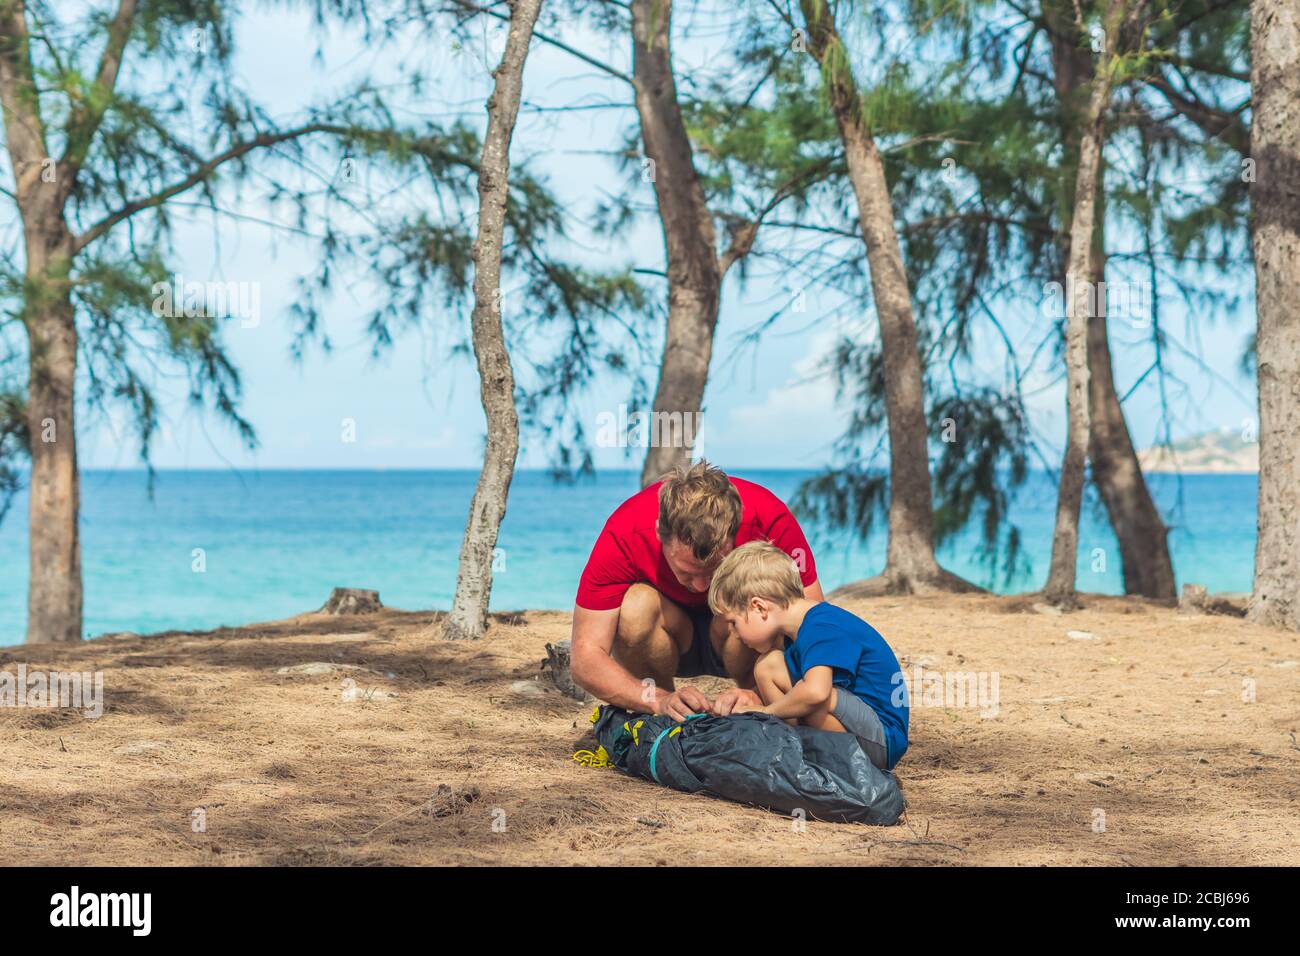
(227, 546)
(631, 469)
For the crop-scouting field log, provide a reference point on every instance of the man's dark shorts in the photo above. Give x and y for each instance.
(700, 658)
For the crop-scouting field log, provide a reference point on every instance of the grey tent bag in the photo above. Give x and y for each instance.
(756, 759)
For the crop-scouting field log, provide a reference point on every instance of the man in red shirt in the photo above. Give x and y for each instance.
(642, 615)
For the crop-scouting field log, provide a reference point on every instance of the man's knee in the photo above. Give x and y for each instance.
(642, 643)
(640, 616)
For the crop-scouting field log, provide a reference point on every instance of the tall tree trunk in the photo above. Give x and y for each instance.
(694, 272)
(910, 564)
(54, 598)
(469, 609)
(1143, 538)
(1081, 295)
(54, 595)
(1139, 529)
(1060, 588)
(1275, 202)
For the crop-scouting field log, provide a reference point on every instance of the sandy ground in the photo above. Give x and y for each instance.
(1132, 745)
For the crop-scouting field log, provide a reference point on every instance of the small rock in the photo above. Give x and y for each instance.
(1050, 700)
(1285, 664)
(1095, 777)
(318, 667)
(1081, 635)
(353, 691)
(528, 688)
(1047, 609)
(448, 800)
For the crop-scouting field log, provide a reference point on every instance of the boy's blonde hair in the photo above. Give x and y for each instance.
(699, 507)
(757, 569)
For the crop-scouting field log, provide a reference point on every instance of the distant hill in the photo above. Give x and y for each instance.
(1218, 452)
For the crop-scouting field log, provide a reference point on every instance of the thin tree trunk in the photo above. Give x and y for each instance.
(54, 595)
(1081, 297)
(694, 272)
(910, 564)
(54, 599)
(1143, 538)
(1060, 588)
(1275, 201)
(468, 617)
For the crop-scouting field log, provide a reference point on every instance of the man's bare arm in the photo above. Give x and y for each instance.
(813, 592)
(594, 668)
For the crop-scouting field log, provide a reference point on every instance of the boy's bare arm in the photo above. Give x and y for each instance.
(808, 695)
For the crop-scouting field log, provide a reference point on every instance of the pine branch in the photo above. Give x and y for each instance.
(204, 172)
(85, 118)
(1217, 123)
(471, 7)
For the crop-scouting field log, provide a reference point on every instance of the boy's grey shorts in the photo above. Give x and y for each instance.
(859, 719)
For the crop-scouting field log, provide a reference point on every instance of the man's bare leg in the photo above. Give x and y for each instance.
(738, 659)
(653, 632)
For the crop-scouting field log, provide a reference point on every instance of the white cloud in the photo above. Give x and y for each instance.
(793, 425)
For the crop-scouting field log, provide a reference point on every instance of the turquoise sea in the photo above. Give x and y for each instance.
(275, 542)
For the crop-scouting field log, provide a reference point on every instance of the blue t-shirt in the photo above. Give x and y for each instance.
(860, 662)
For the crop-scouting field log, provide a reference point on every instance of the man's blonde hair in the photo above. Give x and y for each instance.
(757, 569)
(700, 507)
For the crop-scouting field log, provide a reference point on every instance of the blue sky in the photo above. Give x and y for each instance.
(416, 407)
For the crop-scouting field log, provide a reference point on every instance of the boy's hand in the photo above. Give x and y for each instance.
(729, 701)
(744, 707)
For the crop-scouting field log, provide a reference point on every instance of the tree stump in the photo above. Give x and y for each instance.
(1195, 599)
(352, 601)
(557, 662)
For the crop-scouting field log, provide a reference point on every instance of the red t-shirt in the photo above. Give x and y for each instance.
(628, 550)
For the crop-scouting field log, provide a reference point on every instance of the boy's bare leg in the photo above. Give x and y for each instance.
(823, 717)
(773, 679)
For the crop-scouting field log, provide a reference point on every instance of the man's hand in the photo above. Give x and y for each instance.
(682, 703)
(732, 701)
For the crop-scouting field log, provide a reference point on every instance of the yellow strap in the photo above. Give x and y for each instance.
(633, 731)
(588, 759)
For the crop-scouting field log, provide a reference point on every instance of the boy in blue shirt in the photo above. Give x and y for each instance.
(819, 665)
